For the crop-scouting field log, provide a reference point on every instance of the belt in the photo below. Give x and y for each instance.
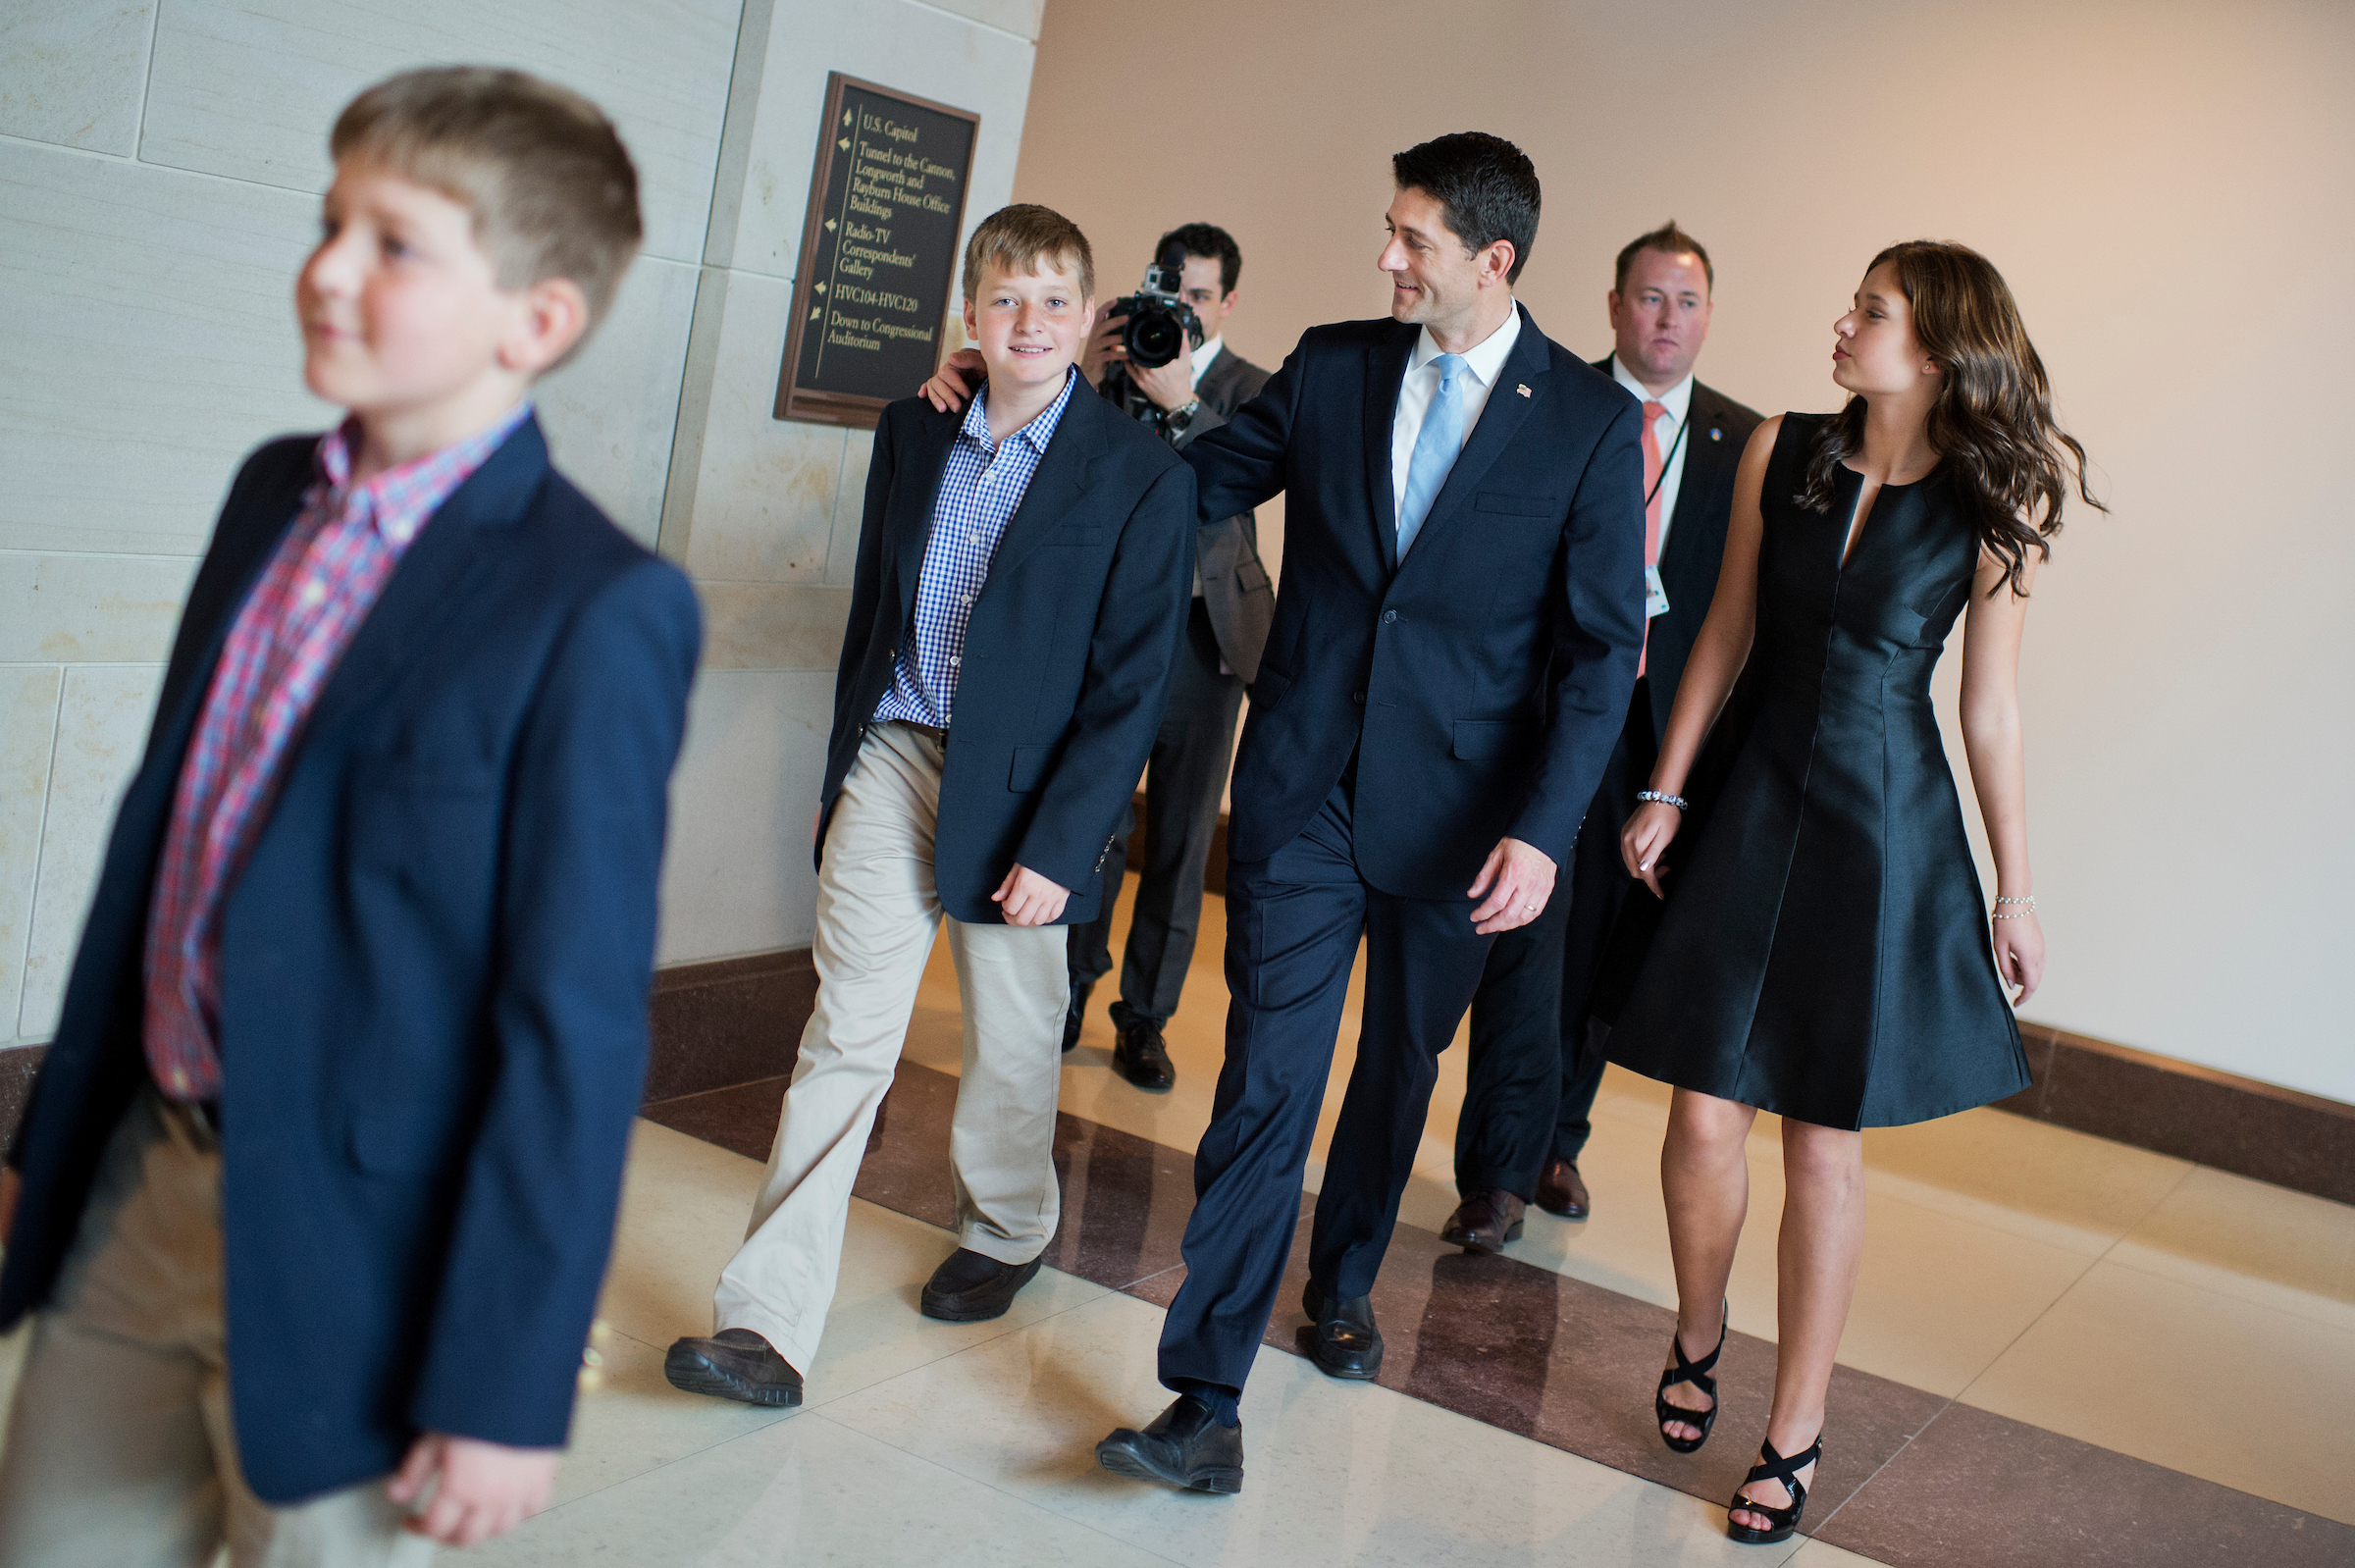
(938, 735)
(200, 1119)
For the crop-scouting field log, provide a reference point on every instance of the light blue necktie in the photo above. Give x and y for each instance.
(1436, 448)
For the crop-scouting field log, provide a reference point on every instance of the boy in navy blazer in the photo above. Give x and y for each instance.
(1022, 582)
(347, 1066)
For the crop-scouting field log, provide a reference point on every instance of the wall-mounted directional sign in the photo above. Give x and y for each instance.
(878, 253)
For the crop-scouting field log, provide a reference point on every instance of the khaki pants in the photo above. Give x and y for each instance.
(120, 1449)
(877, 914)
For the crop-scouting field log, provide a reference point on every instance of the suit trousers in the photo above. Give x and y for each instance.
(121, 1449)
(1534, 1064)
(1293, 923)
(878, 914)
(1183, 780)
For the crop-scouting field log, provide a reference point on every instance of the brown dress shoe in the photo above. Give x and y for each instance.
(1561, 1190)
(1484, 1221)
(733, 1364)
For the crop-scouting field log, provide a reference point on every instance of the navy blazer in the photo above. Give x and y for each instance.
(1067, 655)
(1716, 430)
(434, 971)
(1484, 682)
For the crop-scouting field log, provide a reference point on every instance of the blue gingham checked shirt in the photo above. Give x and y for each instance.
(979, 491)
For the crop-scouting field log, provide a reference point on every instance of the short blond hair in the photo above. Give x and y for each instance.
(1015, 239)
(551, 188)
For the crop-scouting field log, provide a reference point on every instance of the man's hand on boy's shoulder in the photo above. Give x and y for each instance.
(480, 1490)
(1027, 897)
(954, 381)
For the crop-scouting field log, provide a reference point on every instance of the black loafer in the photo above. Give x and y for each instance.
(1074, 1011)
(1139, 1055)
(1348, 1344)
(733, 1364)
(1186, 1446)
(971, 1288)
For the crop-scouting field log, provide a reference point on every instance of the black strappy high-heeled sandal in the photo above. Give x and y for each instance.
(1772, 1466)
(1695, 1373)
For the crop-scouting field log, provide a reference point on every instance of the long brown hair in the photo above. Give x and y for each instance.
(1992, 425)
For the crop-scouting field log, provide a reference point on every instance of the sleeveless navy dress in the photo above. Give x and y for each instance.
(1824, 951)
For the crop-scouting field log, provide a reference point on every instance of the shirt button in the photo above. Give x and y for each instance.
(313, 591)
(1389, 615)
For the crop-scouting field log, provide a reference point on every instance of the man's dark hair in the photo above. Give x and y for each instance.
(1487, 188)
(1207, 239)
(1669, 240)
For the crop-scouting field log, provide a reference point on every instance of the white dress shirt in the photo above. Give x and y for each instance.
(1484, 360)
(1203, 356)
(1679, 402)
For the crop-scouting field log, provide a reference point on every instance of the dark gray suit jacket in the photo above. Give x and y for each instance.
(1717, 429)
(1236, 589)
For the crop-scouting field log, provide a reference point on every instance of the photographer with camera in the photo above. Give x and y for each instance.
(1160, 356)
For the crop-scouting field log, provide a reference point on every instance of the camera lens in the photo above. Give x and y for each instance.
(1154, 337)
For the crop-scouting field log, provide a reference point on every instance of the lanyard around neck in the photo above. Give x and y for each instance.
(1668, 461)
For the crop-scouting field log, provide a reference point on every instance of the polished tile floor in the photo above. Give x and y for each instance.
(2063, 1351)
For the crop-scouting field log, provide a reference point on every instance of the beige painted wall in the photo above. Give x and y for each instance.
(159, 172)
(2168, 186)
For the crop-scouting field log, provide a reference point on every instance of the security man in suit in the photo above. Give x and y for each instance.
(1533, 1068)
(1458, 630)
(1233, 602)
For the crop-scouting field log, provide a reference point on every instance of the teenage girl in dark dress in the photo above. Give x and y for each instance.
(1827, 954)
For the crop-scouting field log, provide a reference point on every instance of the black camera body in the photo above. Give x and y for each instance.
(1161, 325)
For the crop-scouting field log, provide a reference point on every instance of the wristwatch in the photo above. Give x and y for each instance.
(1179, 417)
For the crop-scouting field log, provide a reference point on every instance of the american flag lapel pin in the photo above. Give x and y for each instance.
(1522, 389)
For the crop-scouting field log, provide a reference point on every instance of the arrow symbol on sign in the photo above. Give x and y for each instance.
(846, 116)
(821, 288)
(844, 144)
(830, 226)
(813, 315)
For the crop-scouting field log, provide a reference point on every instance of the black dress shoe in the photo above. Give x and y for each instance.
(1561, 1190)
(1138, 1055)
(971, 1288)
(733, 1364)
(1186, 1446)
(1484, 1221)
(1074, 1012)
(1346, 1342)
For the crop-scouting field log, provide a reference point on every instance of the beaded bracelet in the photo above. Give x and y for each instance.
(1677, 800)
(2029, 908)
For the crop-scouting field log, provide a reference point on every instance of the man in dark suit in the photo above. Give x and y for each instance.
(1453, 646)
(1535, 1063)
(1020, 591)
(1227, 626)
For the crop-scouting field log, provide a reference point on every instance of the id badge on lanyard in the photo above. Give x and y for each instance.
(1655, 594)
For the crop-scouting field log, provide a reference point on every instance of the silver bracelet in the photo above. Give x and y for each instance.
(2028, 907)
(1666, 799)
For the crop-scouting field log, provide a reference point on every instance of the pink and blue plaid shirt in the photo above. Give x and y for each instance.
(326, 576)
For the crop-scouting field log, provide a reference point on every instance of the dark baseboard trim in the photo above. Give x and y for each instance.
(728, 1021)
(17, 1067)
(2295, 1140)
(737, 1021)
